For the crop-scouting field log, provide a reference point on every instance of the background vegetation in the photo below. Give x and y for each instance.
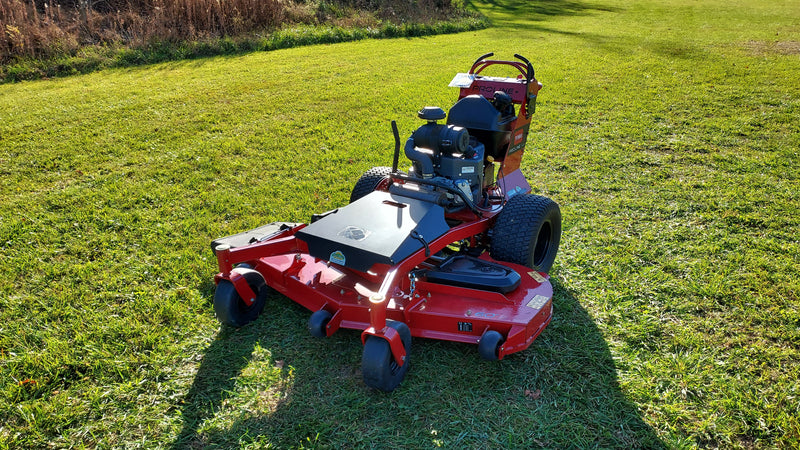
(44, 38)
(667, 130)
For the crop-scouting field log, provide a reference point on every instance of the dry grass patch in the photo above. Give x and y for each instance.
(773, 48)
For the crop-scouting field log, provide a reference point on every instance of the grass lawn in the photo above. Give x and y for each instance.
(668, 131)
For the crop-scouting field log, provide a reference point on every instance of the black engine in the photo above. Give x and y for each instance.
(447, 156)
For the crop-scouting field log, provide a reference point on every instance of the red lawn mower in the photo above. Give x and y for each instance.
(456, 249)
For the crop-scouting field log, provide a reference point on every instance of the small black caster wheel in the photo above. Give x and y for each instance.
(231, 309)
(318, 323)
(489, 345)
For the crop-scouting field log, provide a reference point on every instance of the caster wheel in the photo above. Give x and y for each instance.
(489, 345)
(318, 323)
(231, 309)
(378, 366)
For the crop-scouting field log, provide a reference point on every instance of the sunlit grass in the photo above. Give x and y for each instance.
(668, 132)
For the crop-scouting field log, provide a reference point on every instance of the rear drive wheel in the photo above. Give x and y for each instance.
(489, 345)
(528, 232)
(378, 366)
(228, 305)
(369, 182)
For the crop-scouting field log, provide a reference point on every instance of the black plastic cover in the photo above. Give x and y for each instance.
(377, 228)
(473, 273)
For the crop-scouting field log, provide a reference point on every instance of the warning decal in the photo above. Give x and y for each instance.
(536, 276)
(537, 302)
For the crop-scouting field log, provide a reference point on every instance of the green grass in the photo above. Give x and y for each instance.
(668, 132)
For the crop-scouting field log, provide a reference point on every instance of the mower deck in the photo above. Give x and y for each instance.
(431, 309)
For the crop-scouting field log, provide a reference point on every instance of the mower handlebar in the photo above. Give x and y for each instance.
(525, 67)
(530, 75)
(482, 58)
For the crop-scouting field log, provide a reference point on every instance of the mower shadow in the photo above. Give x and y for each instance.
(221, 365)
(561, 392)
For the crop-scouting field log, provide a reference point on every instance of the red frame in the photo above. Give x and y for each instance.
(364, 301)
